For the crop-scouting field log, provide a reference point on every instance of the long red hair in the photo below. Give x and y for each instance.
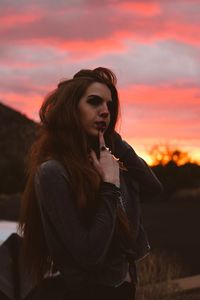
(61, 137)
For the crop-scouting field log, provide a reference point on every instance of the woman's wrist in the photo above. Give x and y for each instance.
(116, 183)
(111, 188)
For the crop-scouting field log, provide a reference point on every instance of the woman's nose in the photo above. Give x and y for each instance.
(104, 112)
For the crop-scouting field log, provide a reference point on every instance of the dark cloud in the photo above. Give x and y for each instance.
(85, 20)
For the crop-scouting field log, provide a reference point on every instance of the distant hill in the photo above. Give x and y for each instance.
(17, 133)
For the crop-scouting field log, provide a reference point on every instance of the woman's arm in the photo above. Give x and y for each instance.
(137, 167)
(56, 200)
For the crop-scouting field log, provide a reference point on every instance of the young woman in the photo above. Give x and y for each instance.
(81, 220)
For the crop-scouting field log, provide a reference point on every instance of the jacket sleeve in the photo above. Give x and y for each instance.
(56, 200)
(137, 167)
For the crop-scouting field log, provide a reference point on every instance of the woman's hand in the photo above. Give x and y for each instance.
(107, 166)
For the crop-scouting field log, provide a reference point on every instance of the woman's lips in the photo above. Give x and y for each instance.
(100, 125)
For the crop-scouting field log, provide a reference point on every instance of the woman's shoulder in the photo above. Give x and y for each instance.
(51, 163)
(51, 166)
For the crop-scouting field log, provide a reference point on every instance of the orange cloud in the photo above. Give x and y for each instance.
(40, 42)
(161, 114)
(180, 31)
(140, 8)
(83, 49)
(26, 104)
(18, 19)
(153, 95)
(144, 22)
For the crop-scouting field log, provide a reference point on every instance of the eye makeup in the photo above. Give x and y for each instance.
(96, 100)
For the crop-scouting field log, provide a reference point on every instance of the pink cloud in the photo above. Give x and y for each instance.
(26, 104)
(140, 8)
(83, 49)
(165, 95)
(155, 43)
(140, 21)
(10, 21)
(162, 113)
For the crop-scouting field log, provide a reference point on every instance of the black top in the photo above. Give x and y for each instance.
(83, 255)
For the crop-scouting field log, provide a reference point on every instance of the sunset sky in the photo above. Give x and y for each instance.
(152, 46)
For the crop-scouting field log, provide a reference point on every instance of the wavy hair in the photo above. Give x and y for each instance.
(61, 137)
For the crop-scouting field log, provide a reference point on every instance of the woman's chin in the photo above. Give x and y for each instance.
(93, 133)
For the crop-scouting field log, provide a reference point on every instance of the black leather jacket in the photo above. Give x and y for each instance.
(86, 256)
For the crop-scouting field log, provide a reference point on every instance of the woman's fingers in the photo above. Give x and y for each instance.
(107, 166)
(94, 157)
(96, 162)
(102, 144)
(101, 139)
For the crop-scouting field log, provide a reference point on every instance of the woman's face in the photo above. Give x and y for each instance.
(94, 110)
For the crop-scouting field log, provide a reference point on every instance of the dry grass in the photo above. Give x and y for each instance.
(155, 277)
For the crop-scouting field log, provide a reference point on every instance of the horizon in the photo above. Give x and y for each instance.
(146, 156)
(152, 47)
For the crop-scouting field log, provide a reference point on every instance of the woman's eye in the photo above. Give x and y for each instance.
(95, 101)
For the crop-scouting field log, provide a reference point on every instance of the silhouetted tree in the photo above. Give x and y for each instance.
(163, 154)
